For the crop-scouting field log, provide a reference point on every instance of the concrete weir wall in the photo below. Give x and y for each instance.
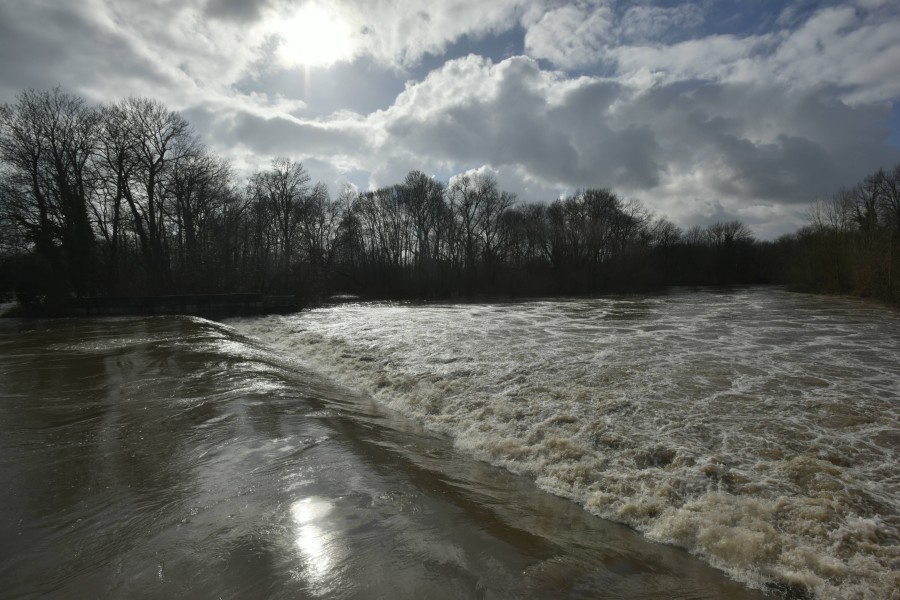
(191, 304)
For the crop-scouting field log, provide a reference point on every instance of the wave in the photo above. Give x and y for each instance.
(758, 430)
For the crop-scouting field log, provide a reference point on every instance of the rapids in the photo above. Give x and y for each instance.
(758, 429)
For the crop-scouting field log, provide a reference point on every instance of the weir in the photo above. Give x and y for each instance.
(205, 305)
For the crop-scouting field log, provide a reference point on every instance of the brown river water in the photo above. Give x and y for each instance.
(705, 445)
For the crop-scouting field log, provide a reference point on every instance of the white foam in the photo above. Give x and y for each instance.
(6, 307)
(759, 430)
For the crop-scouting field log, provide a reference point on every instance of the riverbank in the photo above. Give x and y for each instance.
(202, 305)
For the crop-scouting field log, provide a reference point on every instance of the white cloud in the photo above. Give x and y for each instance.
(698, 124)
(400, 34)
(647, 23)
(854, 49)
(859, 52)
(714, 58)
(571, 35)
(692, 150)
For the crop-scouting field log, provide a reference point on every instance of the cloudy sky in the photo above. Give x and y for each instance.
(703, 110)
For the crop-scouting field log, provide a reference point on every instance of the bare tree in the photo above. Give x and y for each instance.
(157, 140)
(724, 234)
(199, 186)
(423, 199)
(664, 233)
(320, 226)
(280, 193)
(493, 206)
(835, 213)
(46, 142)
(474, 203)
(888, 190)
(114, 162)
(865, 206)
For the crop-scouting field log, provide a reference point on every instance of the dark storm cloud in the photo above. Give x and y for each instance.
(767, 141)
(691, 148)
(781, 170)
(610, 151)
(507, 118)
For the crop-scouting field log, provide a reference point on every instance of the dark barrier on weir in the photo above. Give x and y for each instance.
(191, 304)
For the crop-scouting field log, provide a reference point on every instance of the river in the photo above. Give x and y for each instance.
(703, 444)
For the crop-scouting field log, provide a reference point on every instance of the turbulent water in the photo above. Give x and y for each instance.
(174, 457)
(355, 451)
(757, 429)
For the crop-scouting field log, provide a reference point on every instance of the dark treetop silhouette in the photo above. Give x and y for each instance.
(123, 200)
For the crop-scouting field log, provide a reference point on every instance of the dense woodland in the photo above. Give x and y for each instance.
(123, 200)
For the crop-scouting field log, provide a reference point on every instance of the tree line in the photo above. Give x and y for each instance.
(124, 200)
(851, 243)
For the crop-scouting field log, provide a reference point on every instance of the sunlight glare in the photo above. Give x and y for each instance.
(314, 37)
(314, 542)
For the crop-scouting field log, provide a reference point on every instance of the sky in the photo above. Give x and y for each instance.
(701, 110)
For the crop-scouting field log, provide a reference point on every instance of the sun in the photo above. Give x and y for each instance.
(314, 37)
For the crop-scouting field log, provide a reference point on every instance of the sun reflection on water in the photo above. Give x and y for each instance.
(314, 542)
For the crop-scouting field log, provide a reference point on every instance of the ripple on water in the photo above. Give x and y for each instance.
(757, 429)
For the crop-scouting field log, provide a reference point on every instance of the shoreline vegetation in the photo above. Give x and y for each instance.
(120, 207)
(203, 305)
